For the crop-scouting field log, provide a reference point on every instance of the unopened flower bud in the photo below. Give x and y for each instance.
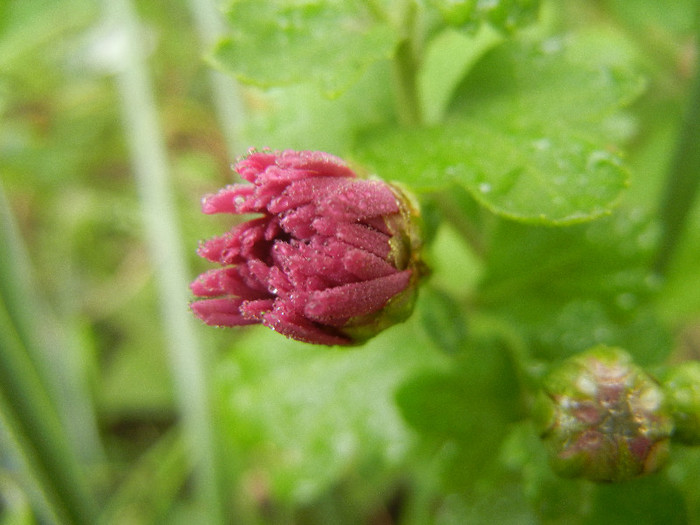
(603, 418)
(682, 386)
(331, 259)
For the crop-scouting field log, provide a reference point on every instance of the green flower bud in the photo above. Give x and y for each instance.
(682, 387)
(603, 418)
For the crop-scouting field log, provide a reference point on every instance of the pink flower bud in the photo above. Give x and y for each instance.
(331, 259)
(603, 418)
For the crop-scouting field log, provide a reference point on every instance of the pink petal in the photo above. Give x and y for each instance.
(278, 282)
(296, 327)
(254, 163)
(365, 265)
(297, 222)
(357, 235)
(226, 281)
(255, 310)
(359, 200)
(246, 240)
(377, 223)
(336, 305)
(220, 312)
(305, 191)
(319, 162)
(299, 261)
(212, 249)
(279, 178)
(231, 199)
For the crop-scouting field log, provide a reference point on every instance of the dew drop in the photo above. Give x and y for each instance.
(542, 144)
(602, 333)
(598, 157)
(626, 301)
(552, 45)
(487, 4)
(484, 187)
(586, 385)
(451, 170)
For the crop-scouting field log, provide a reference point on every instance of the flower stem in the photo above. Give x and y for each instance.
(683, 177)
(406, 72)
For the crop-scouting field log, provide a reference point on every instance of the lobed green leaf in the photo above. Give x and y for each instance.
(570, 289)
(505, 15)
(305, 417)
(325, 42)
(526, 135)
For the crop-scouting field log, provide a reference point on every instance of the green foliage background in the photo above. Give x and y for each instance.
(548, 144)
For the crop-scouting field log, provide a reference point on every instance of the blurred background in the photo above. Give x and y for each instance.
(117, 407)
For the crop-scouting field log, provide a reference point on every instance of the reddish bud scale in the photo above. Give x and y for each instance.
(603, 418)
(332, 259)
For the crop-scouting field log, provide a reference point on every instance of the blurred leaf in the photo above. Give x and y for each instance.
(528, 136)
(152, 484)
(306, 416)
(684, 472)
(504, 15)
(530, 175)
(297, 117)
(572, 288)
(680, 300)
(327, 42)
(26, 27)
(447, 59)
(654, 18)
(443, 320)
(646, 500)
(469, 407)
(554, 500)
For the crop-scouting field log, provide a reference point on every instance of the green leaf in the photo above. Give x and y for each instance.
(307, 416)
(570, 289)
(554, 500)
(531, 174)
(680, 299)
(443, 320)
(648, 500)
(528, 136)
(468, 407)
(327, 42)
(447, 59)
(296, 117)
(505, 15)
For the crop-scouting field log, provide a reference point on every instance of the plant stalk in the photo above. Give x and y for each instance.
(683, 177)
(150, 167)
(406, 64)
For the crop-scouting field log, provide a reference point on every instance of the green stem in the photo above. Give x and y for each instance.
(460, 210)
(406, 72)
(529, 370)
(150, 166)
(683, 177)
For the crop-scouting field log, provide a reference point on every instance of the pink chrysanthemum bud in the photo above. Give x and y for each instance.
(603, 418)
(332, 259)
